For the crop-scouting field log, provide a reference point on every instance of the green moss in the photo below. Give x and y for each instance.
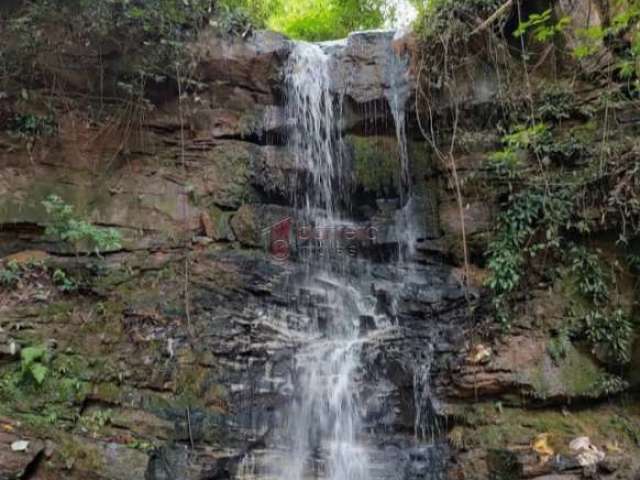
(81, 454)
(108, 392)
(376, 164)
(515, 427)
(576, 376)
(59, 397)
(579, 373)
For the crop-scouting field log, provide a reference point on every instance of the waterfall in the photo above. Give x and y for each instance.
(314, 134)
(322, 432)
(323, 421)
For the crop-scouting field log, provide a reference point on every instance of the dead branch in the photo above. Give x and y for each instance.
(497, 14)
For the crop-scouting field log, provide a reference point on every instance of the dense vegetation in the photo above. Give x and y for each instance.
(566, 180)
(133, 46)
(326, 19)
(312, 20)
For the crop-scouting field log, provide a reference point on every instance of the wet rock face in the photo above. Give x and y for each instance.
(251, 333)
(253, 63)
(365, 71)
(184, 359)
(191, 351)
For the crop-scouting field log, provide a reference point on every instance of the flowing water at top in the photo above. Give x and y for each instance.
(314, 136)
(322, 435)
(323, 421)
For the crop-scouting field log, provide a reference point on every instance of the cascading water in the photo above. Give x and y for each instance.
(323, 432)
(314, 135)
(323, 421)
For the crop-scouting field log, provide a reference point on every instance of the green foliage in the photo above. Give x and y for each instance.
(531, 137)
(633, 261)
(10, 275)
(506, 162)
(625, 27)
(628, 426)
(591, 278)
(32, 126)
(611, 333)
(97, 420)
(624, 199)
(63, 282)
(241, 13)
(32, 365)
(506, 255)
(536, 139)
(531, 224)
(317, 20)
(522, 138)
(608, 329)
(559, 345)
(590, 42)
(542, 26)
(608, 385)
(235, 22)
(66, 227)
(556, 103)
(150, 35)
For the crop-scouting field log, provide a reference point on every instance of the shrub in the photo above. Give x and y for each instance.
(456, 17)
(556, 103)
(64, 282)
(531, 224)
(523, 138)
(31, 126)
(149, 34)
(68, 228)
(590, 276)
(10, 275)
(612, 333)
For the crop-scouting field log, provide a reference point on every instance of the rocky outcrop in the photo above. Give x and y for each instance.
(173, 357)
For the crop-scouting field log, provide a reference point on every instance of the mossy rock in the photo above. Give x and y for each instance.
(376, 163)
(575, 376)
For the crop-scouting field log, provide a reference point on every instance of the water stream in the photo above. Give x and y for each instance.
(323, 432)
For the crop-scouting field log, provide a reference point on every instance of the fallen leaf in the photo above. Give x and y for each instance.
(541, 447)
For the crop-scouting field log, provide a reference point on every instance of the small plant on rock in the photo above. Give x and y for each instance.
(64, 283)
(517, 144)
(591, 277)
(612, 333)
(32, 367)
(67, 227)
(10, 275)
(32, 126)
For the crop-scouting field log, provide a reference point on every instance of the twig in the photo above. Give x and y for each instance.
(189, 427)
(187, 308)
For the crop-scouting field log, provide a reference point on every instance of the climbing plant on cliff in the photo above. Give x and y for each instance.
(559, 172)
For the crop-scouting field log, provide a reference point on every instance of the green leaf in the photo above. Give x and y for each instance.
(38, 372)
(30, 355)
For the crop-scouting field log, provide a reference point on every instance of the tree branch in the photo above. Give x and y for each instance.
(497, 14)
